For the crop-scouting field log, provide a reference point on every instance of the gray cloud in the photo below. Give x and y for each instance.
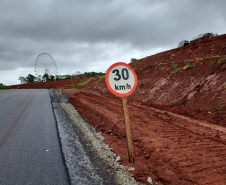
(94, 34)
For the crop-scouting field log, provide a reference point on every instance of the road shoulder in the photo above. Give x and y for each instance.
(104, 166)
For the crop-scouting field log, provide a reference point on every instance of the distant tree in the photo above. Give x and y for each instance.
(57, 77)
(60, 77)
(21, 79)
(133, 59)
(2, 86)
(68, 77)
(39, 78)
(30, 79)
(46, 77)
(52, 78)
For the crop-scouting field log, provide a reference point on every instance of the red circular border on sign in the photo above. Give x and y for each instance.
(107, 81)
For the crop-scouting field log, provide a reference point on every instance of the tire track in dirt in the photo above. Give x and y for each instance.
(172, 149)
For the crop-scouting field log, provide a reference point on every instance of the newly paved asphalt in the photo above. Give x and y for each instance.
(29, 145)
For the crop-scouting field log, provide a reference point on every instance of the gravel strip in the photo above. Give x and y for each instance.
(103, 162)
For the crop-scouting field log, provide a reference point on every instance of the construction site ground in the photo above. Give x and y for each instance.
(177, 114)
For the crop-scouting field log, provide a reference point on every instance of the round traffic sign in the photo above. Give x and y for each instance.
(121, 79)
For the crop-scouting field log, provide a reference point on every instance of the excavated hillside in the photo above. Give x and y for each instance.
(177, 113)
(191, 77)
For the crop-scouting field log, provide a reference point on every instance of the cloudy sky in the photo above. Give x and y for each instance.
(91, 35)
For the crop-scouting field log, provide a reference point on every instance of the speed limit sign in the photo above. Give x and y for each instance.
(121, 79)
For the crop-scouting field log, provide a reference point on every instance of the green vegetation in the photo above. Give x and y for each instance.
(199, 59)
(32, 79)
(159, 66)
(29, 79)
(140, 69)
(187, 59)
(2, 86)
(135, 69)
(151, 98)
(174, 101)
(189, 66)
(188, 102)
(73, 87)
(100, 78)
(220, 106)
(175, 69)
(133, 60)
(221, 60)
(215, 55)
(85, 82)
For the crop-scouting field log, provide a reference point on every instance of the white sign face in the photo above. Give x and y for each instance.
(121, 79)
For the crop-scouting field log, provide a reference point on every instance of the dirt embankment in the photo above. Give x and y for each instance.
(191, 76)
(178, 113)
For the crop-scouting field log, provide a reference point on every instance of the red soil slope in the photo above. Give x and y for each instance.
(178, 114)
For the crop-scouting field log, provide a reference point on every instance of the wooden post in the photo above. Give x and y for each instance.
(128, 131)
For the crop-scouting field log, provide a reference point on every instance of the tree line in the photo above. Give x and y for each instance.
(46, 77)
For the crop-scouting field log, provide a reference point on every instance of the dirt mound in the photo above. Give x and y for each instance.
(177, 112)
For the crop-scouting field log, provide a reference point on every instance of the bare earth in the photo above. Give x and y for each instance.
(177, 113)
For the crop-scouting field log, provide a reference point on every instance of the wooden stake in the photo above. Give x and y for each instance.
(128, 131)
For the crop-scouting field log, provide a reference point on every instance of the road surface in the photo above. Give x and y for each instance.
(30, 150)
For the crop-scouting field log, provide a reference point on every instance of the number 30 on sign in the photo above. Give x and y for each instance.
(121, 79)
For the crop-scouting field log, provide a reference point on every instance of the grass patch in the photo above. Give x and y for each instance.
(73, 85)
(100, 78)
(221, 60)
(140, 69)
(220, 106)
(159, 66)
(85, 82)
(151, 98)
(174, 101)
(187, 59)
(199, 59)
(188, 66)
(188, 102)
(175, 69)
(73, 89)
(215, 55)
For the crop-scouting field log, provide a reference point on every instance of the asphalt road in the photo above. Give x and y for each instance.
(30, 150)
